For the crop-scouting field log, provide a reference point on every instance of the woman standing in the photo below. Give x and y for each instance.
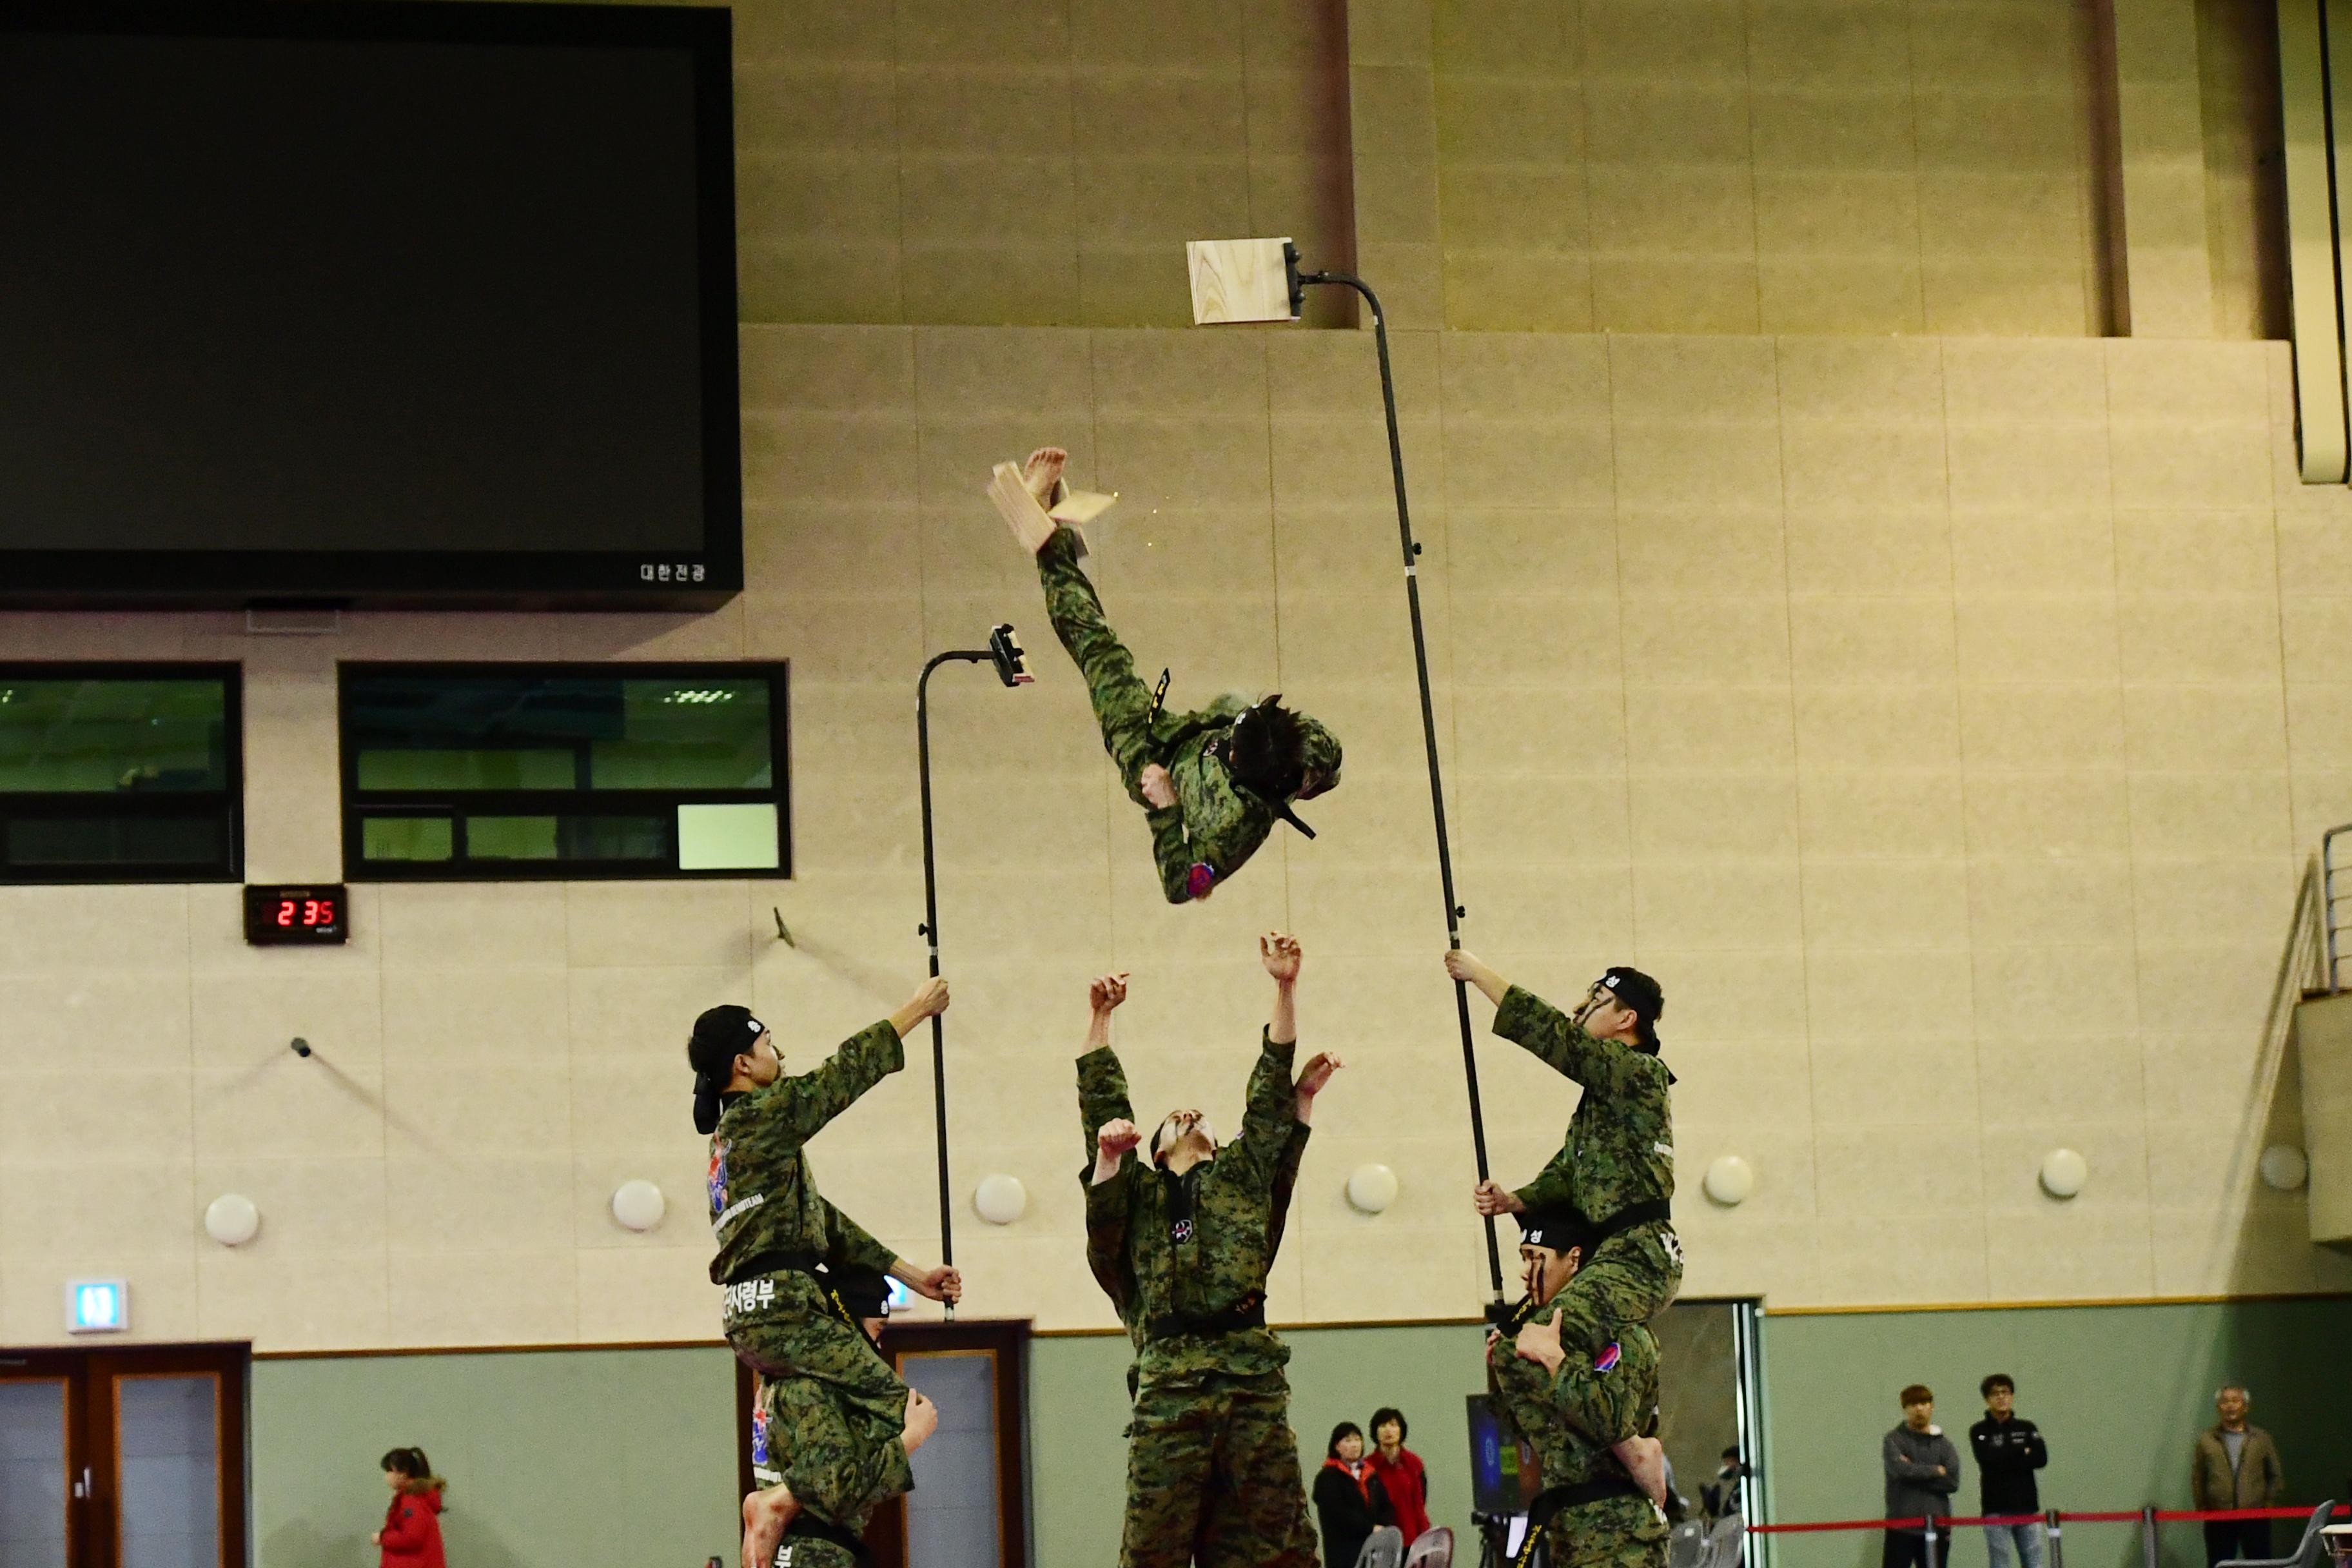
(411, 1536)
(1400, 1474)
(1348, 1501)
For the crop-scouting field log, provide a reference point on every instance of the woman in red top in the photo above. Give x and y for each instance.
(411, 1536)
(1400, 1470)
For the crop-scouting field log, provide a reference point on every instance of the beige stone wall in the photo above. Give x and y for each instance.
(1027, 160)
(1944, 720)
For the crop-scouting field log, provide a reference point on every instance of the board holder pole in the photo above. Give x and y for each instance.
(1237, 280)
(1003, 651)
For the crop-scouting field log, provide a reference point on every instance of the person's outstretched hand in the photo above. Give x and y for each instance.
(1280, 954)
(942, 1284)
(1491, 1198)
(1107, 991)
(1114, 1139)
(1157, 786)
(1317, 1073)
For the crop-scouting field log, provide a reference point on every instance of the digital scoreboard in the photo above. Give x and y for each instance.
(312, 916)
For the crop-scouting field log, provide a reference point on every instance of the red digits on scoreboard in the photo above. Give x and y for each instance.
(318, 912)
(286, 911)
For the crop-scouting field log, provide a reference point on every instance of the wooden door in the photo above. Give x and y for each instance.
(109, 1457)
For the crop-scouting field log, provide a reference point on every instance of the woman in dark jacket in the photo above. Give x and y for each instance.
(1349, 1499)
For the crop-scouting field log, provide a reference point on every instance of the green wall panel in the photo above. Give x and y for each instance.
(554, 1459)
(2120, 1393)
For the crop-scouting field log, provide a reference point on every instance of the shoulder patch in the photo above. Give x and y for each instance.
(1607, 1360)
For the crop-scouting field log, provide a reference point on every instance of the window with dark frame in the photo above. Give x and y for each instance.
(120, 772)
(579, 773)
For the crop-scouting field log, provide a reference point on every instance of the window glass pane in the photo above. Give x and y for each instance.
(500, 731)
(727, 837)
(515, 768)
(689, 734)
(98, 736)
(160, 841)
(169, 1467)
(33, 1474)
(407, 839)
(566, 839)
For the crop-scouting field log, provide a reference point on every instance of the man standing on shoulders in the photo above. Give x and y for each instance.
(1923, 1471)
(2236, 1466)
(2008, 1452)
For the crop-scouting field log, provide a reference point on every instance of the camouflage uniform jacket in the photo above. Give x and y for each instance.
(1215, 822)
(1574, 1417)
(1150, 1265)
(1621, 1140)
(762, 1196)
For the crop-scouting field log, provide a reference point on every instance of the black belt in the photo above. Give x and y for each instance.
(808, 1529)
(1657, 1211)
(1553, 1501)
(773, 1261)
(1249, 1314)
(761, 1265)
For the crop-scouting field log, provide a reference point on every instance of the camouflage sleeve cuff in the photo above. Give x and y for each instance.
(1523, 1015)
(1266, 1042)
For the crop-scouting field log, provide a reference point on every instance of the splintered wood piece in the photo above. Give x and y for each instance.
(1019, 509)
(1077, 508)
(1239, 280)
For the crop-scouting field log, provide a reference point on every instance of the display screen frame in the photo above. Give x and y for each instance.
(266, 901)
(390, 579)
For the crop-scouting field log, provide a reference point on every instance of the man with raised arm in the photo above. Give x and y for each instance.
(1213, 783)
(1615, 1169)
(773, 1231)
(1181, 1246)
(1578, 1409)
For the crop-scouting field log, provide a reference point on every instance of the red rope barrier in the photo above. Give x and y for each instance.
(2187, 1516)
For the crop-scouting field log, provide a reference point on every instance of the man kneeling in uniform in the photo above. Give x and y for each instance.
(1181, 1246)
(1575, 1408)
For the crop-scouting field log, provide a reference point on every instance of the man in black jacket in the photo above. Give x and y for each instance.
(1923, 1471)
(2007, 1451)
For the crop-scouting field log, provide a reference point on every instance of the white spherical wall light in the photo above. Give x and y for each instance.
(232, 1220)
(2284, 1168)
(1000, 1199)
(2063, 1172)
(1371, 1188)
(1729, 1180)
(638, 1205)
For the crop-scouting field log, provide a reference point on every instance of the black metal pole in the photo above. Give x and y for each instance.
(930, 934)
(1453, 911)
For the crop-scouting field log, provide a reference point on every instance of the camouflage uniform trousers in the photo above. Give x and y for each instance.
(1213, 1475)
(1615, 1532)
(835, 1412)
(1629, 1280)
(838, 1475)
(1122, 703)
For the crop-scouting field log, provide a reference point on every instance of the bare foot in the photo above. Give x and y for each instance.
(765, 1516)
(1044, 474)
(1645, 1460)
(922, 1420)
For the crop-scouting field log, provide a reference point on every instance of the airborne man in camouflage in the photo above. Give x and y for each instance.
(773, 1231)
(1577, 1406)
(1616, 1168)
(1181, 1246)
(1212, 783)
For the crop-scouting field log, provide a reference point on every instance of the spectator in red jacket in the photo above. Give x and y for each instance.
(1400, 1470)
(411, 1536)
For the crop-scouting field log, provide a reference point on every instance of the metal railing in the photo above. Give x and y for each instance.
(2328, 898)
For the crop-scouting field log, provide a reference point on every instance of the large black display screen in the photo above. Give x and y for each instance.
(367, 303)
